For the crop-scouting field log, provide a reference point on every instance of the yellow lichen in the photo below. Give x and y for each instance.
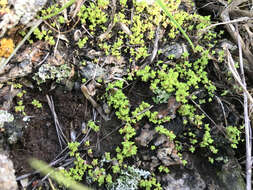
(3, 7)
(6, 47)
(3, 2)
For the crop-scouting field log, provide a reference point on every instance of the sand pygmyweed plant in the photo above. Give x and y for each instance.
(94, 13)
(93, 126)
(133, 35)
(44, 34)
(234, 135)
(36, 103)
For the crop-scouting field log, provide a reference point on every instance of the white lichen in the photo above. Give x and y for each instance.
(5, 117)
(49, 72)
(129, 179)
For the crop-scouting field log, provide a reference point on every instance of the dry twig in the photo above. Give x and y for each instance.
(241, 81)
(61, 137)
(93, 102)
(248, 133)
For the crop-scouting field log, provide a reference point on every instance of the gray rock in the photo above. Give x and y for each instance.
(23, 11)
(175, 49)
(7, 177)
(14, 130)
(199, 174)
(230, 176)
(187, 181)
(92, 70)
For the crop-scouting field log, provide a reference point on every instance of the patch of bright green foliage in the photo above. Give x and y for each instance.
(180, 79)
(129, 177)
(234, 135)
(36, 103)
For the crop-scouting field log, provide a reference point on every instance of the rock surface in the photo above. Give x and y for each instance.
(198, 174)
(7, 177)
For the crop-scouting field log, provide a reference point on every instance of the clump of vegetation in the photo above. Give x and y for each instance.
(36, 103)
(166, 77)
(20, 107)
(44, 35)
(234, 135)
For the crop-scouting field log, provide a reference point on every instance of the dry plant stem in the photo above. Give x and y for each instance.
(93, 102)
(79, 3)
(51, 184)
(157, 35)
(20, 44)
(225, 16)
(241, 19)
(155, 48)
(223, 110)
(236, 76)
(246, 122)
(61, 137)
(111, 25)
(217, 126)
(41, 181)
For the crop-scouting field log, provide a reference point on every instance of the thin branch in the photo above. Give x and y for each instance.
(241, 19)
(246, 122)
(61, 137)
(2, 64)
(236, 76)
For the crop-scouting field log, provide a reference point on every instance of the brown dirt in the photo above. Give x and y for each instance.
(40, 138)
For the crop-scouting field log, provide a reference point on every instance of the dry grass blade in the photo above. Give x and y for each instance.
(5, 62)
(45, 170)
(231, 65)
(248, 132)
(242, 19)
(93, 102)
(61, 137)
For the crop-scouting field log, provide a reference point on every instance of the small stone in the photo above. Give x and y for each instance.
(69, 84)
(24, 182)
(160, 140)
(92, 70)
(168, 154)
(106, 108)
(14, 130)
(174, 49)
(146, 136)
(186, 181)
(7, 177)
